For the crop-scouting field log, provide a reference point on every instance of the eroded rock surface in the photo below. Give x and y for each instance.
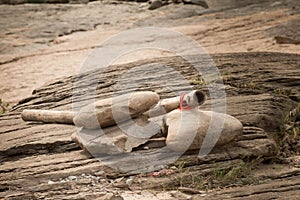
(46, 153)
(40, 43)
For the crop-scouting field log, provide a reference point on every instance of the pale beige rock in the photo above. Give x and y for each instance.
(217, 4)
(187, 129)
(48, 116)
(101, 113)
(115, 110)
(116, 139)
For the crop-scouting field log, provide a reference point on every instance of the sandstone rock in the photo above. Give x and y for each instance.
(110, 196)
(179, 195)
(108, 112)
(196, 2)
(287, 32)
(157, 4)
(116, 139)
(217, 4)
(286, 40)
(259, 109)
(188, 129)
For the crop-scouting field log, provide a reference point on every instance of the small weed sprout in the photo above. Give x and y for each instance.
(3, 107)
(282, 92)
(196, 80)
(289, 132)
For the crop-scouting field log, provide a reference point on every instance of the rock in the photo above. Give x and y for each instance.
(259, 109)
(180, 196)
(287, 32)
(177, 1)
(72, 178)
(100, 173)
(50, 182)
(129, 181)
(276, 3)
(110, 196)
(157, 4)
(188, 129)
(111, 111)
(190, 190)
(286, 40)
(173, 168)
(217, 4)
(54, 1)
(116, 139)
(196, 2)
(13, 2)
(79, 1)
(124, 137)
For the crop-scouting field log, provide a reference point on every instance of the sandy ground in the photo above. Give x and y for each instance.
(27, 64)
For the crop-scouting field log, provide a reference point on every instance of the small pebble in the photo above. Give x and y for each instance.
(100, 173)
(173, 168)
(129, 181)
(72, 178)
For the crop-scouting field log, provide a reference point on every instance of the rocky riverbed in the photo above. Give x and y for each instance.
(254, 45)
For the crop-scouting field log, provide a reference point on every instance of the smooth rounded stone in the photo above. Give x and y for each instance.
(187, 129)
(196, 2)
(100, 173)
(115, 110)
(157, 4)
(180, 195)
(129, 181)
(72, 178)
(110, 196)
(50, 182)
(48, 116)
